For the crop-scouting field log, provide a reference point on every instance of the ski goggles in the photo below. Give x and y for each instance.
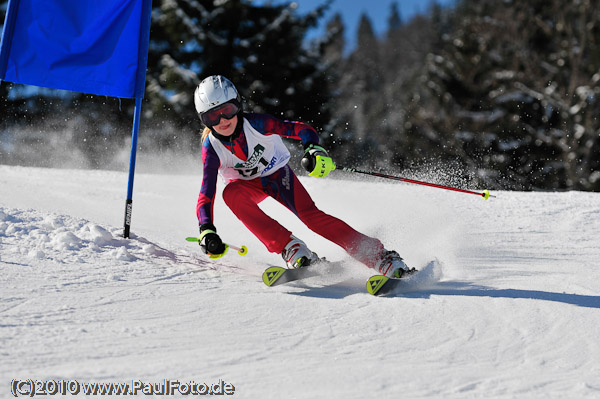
(212, 117)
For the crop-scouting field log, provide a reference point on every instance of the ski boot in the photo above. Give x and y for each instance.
(296, 254)
(390, 264)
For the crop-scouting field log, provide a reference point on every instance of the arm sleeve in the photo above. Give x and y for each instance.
(210, 169)
(267, 125)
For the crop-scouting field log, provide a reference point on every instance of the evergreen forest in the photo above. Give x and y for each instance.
(504, 94)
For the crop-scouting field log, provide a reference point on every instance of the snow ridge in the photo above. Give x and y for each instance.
(64, 239)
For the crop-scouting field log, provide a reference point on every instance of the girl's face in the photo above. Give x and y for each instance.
(226, 127)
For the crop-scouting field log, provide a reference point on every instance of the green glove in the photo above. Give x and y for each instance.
(316, 161)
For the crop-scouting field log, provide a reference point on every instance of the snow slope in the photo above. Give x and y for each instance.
(515, 312)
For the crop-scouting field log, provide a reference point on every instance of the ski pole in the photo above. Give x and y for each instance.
(242, 251)
(485, 194)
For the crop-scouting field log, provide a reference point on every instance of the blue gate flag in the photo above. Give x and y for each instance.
(89, 46)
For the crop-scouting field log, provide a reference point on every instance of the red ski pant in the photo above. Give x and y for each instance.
(243, 197)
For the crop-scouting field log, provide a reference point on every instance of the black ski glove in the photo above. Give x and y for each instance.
(210, 242)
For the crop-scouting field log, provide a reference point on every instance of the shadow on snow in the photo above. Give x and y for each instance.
(450, 288)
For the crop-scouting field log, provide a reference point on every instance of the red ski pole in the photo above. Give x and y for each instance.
(485, 194)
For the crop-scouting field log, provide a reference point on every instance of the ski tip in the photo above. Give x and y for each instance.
(272, 274)
(192, 239)
(375, 283)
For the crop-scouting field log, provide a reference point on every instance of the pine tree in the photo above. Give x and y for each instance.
(512, 88)
(260, 48)
(405, 49)
(356, 101)
(332, 47)
(334, 43)
(394, 20)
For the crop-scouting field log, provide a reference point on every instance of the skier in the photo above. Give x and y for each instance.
(247, 151)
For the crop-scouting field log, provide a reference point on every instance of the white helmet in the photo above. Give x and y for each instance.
(214, 91)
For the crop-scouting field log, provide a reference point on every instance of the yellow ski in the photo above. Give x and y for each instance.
(376, 283)
(272, 274)
(276, 275)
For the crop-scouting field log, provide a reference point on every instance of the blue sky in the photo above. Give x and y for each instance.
(377, 10)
